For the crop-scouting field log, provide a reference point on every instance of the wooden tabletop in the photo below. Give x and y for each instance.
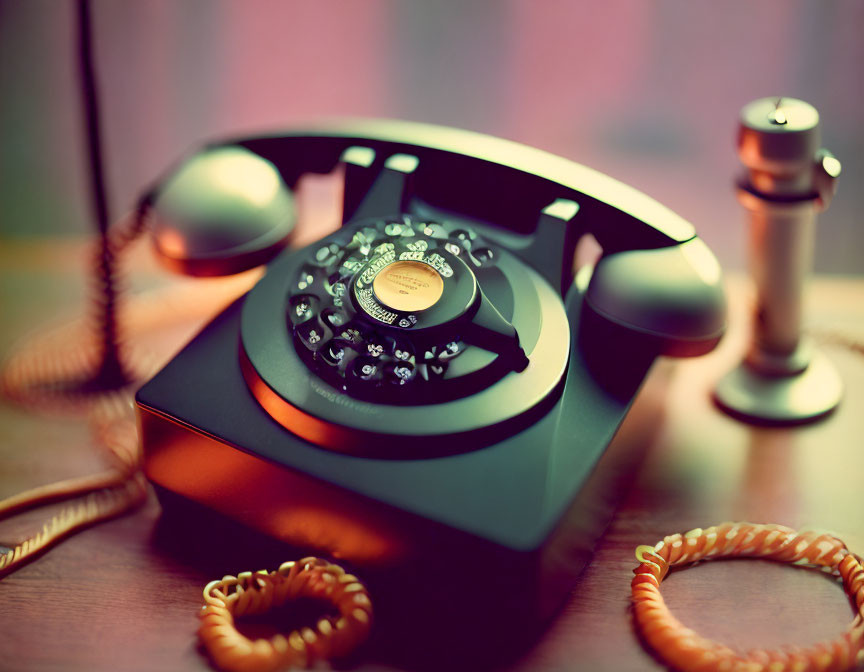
(114, 598)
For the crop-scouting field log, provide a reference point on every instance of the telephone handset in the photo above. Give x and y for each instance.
(406, 308)
(429, 377)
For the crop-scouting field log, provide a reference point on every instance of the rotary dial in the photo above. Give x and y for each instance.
(396, 312)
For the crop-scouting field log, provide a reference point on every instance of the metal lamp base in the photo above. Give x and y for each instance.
(781, 400)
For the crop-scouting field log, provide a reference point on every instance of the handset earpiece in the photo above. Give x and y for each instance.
(670, 296)
(222, 211)
(642, 303)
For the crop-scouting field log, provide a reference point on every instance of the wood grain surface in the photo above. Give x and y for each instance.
(120, 596)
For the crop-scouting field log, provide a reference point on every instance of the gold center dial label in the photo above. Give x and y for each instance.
(408, 286)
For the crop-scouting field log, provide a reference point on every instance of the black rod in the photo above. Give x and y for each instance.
(110, 373)
(90, 101)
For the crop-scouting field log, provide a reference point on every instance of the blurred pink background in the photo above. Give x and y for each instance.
(646, 91)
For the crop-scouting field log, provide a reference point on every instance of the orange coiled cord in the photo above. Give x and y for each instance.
(685, 650)
(105, 495)
(256, 593)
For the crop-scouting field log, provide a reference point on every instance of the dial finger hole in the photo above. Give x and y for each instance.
(367, 369)
(394, 228)
(450, 349)
(334, 352)
(325, 256)
(483, 256)
(334, 318)
(313, 335)
(352, 332)
(435, 230)
(305, 279)
(403, 351)
(301, 308)
(377, 345)
(400, 373)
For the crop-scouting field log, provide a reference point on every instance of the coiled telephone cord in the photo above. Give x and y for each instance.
(256, 593)
(102, 496)
(685, 650)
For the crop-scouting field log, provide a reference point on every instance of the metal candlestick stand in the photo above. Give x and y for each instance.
(789, 179)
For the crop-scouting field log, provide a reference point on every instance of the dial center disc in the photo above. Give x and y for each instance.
(408, 286)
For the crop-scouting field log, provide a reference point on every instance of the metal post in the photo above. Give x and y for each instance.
(788, 180)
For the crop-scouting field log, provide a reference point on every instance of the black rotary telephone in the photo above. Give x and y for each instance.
(428, 384)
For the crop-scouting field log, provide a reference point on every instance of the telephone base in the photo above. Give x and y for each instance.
(472, 543)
